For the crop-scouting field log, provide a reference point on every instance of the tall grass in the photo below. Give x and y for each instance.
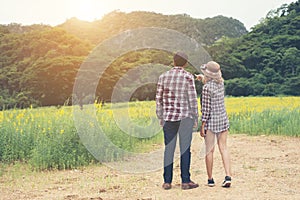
(264, 115)
(268, 122)
(44, 137)
(48, 138)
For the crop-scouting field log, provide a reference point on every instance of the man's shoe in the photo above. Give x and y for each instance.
(227, 182)
(190, 185)
(167, 186)
(211, 182)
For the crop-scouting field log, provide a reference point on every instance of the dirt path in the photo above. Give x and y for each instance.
(263, 167)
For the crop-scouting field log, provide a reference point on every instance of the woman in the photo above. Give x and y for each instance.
(215, 123)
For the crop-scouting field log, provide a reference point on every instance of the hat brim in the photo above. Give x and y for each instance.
(210, 74)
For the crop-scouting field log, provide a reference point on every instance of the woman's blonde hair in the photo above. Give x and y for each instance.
(217, 80)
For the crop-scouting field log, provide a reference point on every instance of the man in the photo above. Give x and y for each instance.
(177, 110)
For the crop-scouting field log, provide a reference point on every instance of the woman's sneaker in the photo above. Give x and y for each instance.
(227, 182)
(211, 182)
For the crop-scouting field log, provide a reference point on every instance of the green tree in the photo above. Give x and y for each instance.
(238, 87)
(291, 62)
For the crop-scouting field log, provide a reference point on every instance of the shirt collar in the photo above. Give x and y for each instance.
(177, 67)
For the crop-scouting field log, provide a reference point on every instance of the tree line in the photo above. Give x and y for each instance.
(39, 63)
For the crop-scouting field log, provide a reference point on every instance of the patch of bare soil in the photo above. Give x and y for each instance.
(263, 167)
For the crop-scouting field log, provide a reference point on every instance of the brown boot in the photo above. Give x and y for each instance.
(190, 185)
(167, 186)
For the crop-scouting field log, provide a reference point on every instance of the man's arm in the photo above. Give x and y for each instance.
(192, 95)
(159, 99)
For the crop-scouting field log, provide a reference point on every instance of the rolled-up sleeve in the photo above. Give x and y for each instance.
(205, 107)
(159, 98)
(193, 100)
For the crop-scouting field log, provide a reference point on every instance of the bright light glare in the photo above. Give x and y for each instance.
(88, 10)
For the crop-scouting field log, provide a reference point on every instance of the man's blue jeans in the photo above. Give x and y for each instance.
(184, 129)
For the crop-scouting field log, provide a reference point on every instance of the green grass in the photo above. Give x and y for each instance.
(269, 122)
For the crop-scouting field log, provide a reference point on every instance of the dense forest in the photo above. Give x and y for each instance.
(39, 63)
(266, 61)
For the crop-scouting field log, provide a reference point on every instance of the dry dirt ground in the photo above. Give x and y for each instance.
(263, 167)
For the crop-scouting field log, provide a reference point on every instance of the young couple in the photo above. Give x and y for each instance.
(177, 110)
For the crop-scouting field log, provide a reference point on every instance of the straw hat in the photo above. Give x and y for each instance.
(211, 70)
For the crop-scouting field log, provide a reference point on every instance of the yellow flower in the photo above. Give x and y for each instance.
(91, 124)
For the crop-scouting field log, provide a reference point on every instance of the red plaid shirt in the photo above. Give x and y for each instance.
(176, 96)
(213, 107)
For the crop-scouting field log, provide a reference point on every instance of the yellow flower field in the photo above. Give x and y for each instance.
(48, 137)
(259, 104)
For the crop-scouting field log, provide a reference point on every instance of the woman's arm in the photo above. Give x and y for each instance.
(205, 109)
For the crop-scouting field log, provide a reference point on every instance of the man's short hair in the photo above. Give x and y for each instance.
(180, 59)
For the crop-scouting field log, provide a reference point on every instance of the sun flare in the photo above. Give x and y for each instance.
(88, 10)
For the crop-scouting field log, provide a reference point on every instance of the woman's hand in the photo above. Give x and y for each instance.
(202, 130)
(199, 77)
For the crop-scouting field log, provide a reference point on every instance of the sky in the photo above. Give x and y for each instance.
(55, 12)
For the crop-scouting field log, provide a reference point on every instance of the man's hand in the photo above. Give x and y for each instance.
(161, 122)
(195, 124)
